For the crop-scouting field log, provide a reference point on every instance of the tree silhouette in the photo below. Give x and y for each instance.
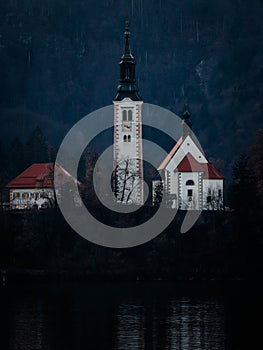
(256, 154)
(243, 191)
(36, 148)
(16, 158)
(125, 179)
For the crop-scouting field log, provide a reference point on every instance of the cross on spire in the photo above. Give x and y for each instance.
(127, 84)
(127, 35)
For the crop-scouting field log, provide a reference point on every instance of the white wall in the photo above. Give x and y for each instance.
(133, 149)
(175, 182)
(26, 198)
(187, 146)
(189, 202)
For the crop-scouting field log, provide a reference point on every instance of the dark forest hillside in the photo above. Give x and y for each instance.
(59, 61)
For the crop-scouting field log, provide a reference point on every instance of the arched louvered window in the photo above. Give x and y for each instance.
(125, 138)
(124, 115)
(190, 183)
(129, 115)
(129, 138)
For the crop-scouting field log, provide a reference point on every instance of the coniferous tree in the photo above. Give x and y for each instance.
(3, 166)
(90, 159)
(16, 158)
(36, 148)
(256, 153)
(243, 193)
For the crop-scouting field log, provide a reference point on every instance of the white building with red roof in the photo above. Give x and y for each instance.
(34, 187)
(189, 181)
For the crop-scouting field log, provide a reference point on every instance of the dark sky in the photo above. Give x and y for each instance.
(59, 61)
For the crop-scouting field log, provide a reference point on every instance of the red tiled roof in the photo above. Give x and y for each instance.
(211, 172)
(190, 164)
(38, 175)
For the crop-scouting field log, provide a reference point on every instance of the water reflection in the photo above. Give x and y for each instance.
(196, 325)
(28, 326)
(182, 324)
(119, 317)
(130, 327)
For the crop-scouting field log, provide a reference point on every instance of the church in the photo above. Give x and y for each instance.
(128, 156)
(189, 181)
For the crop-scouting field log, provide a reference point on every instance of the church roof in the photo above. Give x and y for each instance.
(127, 84)
(190, 164)
(211, 172)
(170, 154)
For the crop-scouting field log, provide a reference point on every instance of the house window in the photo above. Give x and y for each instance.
(129, 115)
(16, 195)
(129, 138)
(125, 138)
(36, 195)
(124, 116)
(190, 183)
(208, 199)
(25, 195)
(190, 193)
(219, 192)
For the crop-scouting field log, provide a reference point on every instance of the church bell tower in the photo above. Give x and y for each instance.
(128, 159)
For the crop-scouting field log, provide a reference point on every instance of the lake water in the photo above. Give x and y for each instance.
(123, 316)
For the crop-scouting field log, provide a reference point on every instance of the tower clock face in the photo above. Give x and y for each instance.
(126, 126)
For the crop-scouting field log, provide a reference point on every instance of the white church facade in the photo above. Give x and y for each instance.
(189, 180)
(185, 176)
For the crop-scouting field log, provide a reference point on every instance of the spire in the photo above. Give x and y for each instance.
(127, 35)
(127, 83)
(187, 123)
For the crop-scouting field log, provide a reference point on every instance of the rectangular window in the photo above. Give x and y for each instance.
(189, 193)
(219, 193)
(208, 199)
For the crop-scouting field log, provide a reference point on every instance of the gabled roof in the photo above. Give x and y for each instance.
(39, 175)
(170, 154)
(190, 164)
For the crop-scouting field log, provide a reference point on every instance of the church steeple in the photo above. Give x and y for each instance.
(187, 123)
(127, 84)
(127, 35)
